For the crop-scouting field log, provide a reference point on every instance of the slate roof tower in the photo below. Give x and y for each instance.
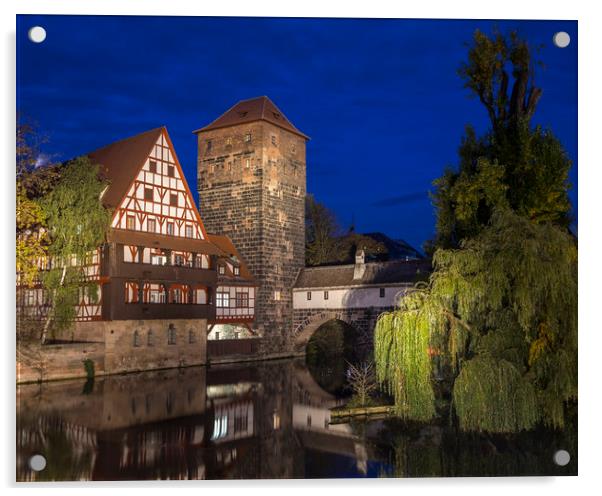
(251, 183)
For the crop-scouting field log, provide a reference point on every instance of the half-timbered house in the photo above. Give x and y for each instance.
(159, 275)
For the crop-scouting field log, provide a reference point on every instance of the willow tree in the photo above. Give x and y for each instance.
(498, 316)
(77, 224)
(497, 321)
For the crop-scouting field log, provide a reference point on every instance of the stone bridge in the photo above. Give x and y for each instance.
(307, 321)
(355, 294)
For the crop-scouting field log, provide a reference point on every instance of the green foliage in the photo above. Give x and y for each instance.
(77, 224)
(502, 309)
(89, 368)
(30, 239)
(513, 164)
(491, 395)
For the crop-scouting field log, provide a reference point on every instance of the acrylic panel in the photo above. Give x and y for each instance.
(277, 248)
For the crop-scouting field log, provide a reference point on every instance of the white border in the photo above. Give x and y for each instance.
(590, 176)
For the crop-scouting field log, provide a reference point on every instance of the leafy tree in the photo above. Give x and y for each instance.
(77, 224)
(499, 316)
(495, 328)
(513, 164)
(30, 240)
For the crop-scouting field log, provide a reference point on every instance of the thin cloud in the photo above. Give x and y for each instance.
(401, 199)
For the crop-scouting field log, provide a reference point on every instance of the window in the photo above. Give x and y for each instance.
(151, 225)
(136, 338)
(248, 138)
(242, 300)
(170, 228)
(171, 171)
(222, 269)
(382, 292)
(178, 260)
(217, 335)
(148, 194)
(247, 163)
(158, 259)
(155, 292)
(325, 295)
(228, 141)
(309, 295)
(173, 200)
(177, 296)
(171, 334)
(189, 231)
(191, 336)
(150, 339)
(152, 166)
(222, 300)
(209, 145)
(236, 271)
(274, 142)
(277, 295)
(276, 421)
(293, 149)
(130, 222)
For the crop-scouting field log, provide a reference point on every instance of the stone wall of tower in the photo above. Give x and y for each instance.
(254, 192)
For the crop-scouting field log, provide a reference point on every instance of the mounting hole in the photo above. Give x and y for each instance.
(562, 458)
(37, 463)
(562, 39)
(37, 34)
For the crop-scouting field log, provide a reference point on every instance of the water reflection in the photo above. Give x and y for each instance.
(265, 420)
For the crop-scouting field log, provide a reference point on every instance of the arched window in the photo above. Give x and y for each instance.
(136, 338)
(150, 339)
(171, 334)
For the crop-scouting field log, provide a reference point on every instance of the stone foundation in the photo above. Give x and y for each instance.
(116, 347)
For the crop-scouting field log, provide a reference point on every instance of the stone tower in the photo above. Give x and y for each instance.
(251, 183)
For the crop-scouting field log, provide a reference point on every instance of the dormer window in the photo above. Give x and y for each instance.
(236, 271)
(221, 270)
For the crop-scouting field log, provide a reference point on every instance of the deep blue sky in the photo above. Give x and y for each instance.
(380, 99)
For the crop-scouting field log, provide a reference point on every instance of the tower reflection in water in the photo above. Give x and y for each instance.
(262, 420)
(252, 421)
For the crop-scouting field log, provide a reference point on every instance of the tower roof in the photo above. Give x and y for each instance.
(254, 109)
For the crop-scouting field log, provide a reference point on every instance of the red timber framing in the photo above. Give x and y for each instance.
(159, 200)
(33, 303)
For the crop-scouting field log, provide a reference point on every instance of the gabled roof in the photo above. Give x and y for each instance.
(120, 162)
(254, 109)
(228, 250)
(376, 273)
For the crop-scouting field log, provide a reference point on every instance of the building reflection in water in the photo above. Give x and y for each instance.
(252, 421)
(261, 420)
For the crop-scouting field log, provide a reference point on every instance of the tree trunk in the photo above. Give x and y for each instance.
(51, 311)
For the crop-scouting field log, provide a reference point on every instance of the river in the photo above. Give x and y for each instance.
(264, 420)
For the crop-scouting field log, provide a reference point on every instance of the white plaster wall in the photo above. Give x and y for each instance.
(348, 297)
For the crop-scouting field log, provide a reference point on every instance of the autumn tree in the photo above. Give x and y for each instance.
(77, 224)
(497, 320)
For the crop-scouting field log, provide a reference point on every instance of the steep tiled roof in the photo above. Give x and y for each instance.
(254, 109)
(376, 273)
(227, 249)
(120, 162)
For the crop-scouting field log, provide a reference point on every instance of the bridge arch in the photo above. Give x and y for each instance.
(306, 329)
